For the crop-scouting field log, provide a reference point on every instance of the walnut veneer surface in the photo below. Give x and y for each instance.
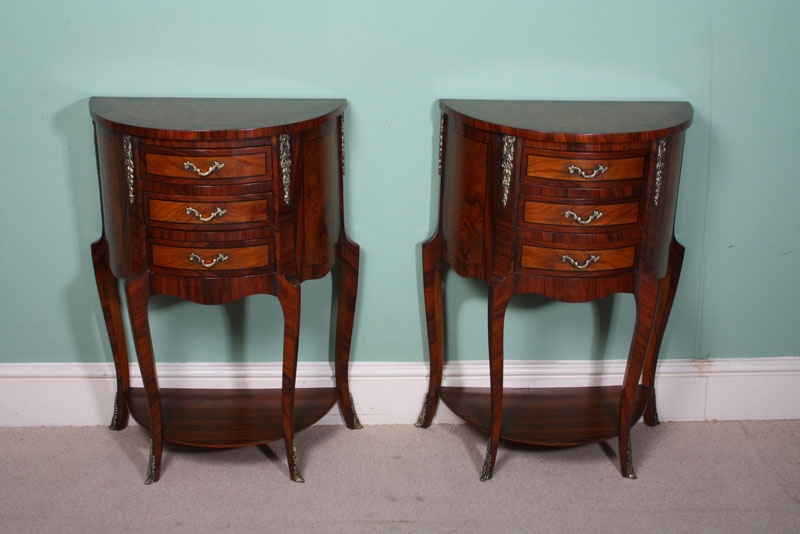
(574, 201)
(212, 200)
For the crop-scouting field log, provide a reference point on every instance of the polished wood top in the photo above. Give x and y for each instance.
(211, 118)
(573, 121)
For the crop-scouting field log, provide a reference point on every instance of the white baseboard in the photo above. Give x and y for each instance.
(81, 394)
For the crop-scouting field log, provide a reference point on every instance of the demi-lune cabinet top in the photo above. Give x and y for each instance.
(573, 121)
(212, 118)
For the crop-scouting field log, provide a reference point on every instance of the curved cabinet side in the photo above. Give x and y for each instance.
(661, 204)
(320, 209)
(465, 195)
(115, 196)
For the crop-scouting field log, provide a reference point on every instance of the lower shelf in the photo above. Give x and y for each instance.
(546, 416)
(224, 418)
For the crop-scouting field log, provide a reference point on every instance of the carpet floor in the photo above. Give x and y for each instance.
(729, 477)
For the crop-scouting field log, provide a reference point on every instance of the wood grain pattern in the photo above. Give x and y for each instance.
(233, 165)
(574, 122)
(321, 226)
(518, 236)
(552, 259)
(579, 215)
(463, 221)
(137, 292)
(559, 168)
(213, 119)
(554, 417)
(213, 259)
(257, 246)
(224, 418)
(112, 313)
(235, 211)
(345, 276)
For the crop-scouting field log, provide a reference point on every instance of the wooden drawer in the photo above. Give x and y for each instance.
(208, 165)
(576, 260)
(226, 258)
(583, 169)
(579, 215)
(203, 211)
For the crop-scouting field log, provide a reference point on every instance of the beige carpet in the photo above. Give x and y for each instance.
(726, 477)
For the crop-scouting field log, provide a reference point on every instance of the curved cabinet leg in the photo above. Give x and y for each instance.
(432, 283)
(347, 276)
(112, 313)
(499, 296)
(289, 297)
(138, 294)
(647, 295)
(669, 285)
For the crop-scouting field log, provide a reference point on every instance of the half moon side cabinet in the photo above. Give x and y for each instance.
(212, 200)
(573, 201)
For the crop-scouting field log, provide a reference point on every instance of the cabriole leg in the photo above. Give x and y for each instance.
(432, 283)
(499, 296)
(669, 285)
(112, 313)
(289, 297)
(138, 294)
(347, 275)
(647, 295)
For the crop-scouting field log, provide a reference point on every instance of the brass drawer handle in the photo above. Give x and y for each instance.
(219, 212)
(573, 169)
(575, 217)
(189, 166)
(593, 258)
(197, 259)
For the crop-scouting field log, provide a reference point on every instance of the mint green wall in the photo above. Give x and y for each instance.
(735, 61)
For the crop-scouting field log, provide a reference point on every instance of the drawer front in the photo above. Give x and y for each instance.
(579, 215)
(225, 211)
(577, 260)
(211, 259)
(208, 167)
(584, 170)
